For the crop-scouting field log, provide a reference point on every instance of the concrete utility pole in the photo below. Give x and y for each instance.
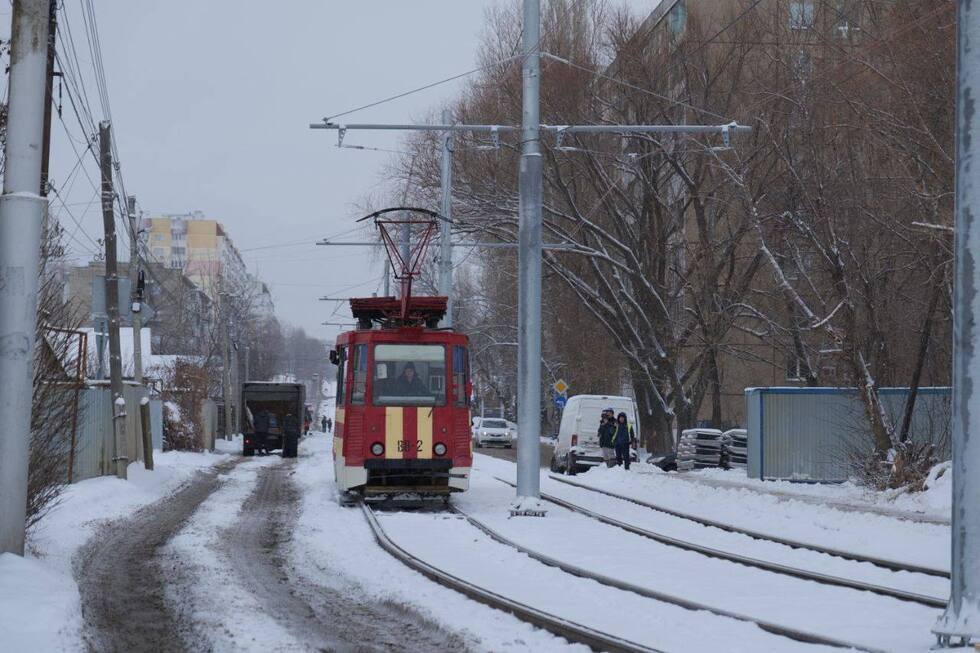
(136, 298)
(529, 266)
(21, 214)
(445, 228)
(121, 457)
(316, 397)
(962, 617)
(136, 291)
(225, 366)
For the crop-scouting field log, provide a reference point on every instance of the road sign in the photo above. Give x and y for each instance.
(560, 401)
(560, 386)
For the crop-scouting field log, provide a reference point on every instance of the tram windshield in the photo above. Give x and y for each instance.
(409, 375)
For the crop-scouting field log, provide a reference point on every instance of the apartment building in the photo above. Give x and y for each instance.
(198, 246)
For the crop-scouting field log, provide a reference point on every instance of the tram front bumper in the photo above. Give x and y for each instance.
(429, 476)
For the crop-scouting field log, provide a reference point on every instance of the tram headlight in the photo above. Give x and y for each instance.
(377, 448)
(440, 449)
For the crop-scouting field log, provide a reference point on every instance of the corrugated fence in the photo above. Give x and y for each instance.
(94, 446)
(817, 434)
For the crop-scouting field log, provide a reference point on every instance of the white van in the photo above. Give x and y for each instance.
(577, 448)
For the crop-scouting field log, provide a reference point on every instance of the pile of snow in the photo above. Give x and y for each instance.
(934, 503)
(40, 608)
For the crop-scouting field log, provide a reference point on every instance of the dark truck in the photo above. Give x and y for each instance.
(268, 411)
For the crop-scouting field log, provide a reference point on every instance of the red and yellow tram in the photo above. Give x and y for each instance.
(403, 395)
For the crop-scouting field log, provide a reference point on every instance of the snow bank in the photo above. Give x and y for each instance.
(40, 608)
(935, 503)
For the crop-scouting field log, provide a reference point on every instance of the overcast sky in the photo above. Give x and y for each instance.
(211, 102)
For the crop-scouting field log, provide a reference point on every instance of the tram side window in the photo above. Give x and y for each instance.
(359, 386)
(409, 375)
(341, 374)
(461, 374)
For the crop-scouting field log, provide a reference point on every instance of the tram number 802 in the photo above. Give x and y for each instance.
(404, 445)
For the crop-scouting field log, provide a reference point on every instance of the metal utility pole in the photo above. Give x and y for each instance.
(962, 617)
(529, 266)
(21, 214)
(121, 457)
(48, 94)
(445, 231)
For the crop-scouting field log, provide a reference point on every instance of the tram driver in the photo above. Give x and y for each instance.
(409, 384)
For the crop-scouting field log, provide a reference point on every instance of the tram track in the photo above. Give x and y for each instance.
(884, 563)
(575, 570)
(570, 630)
(796, 572)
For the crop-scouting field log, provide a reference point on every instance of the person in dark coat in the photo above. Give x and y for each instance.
(323, 423)
(409, 384)
(607, 433)
(622, 441)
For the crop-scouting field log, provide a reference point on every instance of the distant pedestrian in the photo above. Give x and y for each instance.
(622, 441)
(323, 423)
(329, 425)
(607, 434)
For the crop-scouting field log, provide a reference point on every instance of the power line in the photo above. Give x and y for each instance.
(421, 88)
(548, 55)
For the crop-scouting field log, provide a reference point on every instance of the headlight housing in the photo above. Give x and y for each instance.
(440, 449)
(377, 448)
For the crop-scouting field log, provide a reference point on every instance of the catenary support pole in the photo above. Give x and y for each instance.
(962, 617)
(529, 267)
(445, 227)
(121, 457)
(21, 213)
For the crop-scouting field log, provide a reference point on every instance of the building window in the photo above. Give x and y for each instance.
(800, 14)
(158, 252)
(157, 236)
(677, 18)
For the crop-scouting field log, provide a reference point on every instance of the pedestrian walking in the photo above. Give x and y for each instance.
(323, 423)
(329, 425)
(622, 441)
(607, 435)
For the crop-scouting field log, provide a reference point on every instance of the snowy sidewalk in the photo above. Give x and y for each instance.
(40, 607)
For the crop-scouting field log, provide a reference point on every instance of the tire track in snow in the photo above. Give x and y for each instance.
(122, 588)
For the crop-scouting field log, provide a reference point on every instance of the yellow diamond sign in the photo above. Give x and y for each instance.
(560, 386)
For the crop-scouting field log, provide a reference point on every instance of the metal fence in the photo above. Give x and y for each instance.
(818, 434)
(94, 442)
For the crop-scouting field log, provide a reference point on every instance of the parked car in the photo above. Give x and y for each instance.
(577, 447)
(735, 448)
(494, 432)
